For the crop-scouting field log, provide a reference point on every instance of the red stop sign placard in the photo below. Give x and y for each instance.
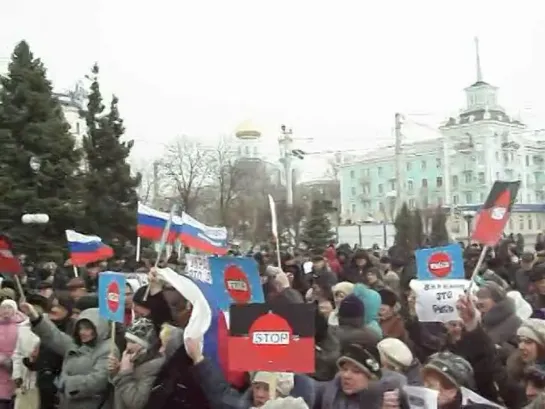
(270, 336)
(237, 285)
(440, 264)
(112, 296)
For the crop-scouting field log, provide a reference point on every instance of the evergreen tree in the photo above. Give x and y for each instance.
(439, 234)
(111, 197)
(404, 237)
(317, 232)
(418, 228)
(39, 163)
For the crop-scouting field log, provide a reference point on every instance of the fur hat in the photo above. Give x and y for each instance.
(344, 287)
(534, 329)
(452, 367)
(363, 359)
(388, 297)
(285, 403)
(351, 307)
(395, 352)
(492, 290)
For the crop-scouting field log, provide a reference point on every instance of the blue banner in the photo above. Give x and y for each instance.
(111, 296)
(440, 262)
(235, 280)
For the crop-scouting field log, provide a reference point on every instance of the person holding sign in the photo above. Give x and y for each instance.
(83, 382)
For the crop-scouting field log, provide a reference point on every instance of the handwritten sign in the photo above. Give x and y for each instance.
(421, 398)
(469, 397)
(197, 267)
(436, 299)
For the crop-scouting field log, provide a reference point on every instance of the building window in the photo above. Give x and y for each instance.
(455, 181)
(439, 201)
(412, 204)
(468, 176)
(510, 224)
(527, 160)
(380, 188)
(381, 207)
(352, 174)
(481, 197)
(530, 223)
(482, 178)
(497, 155)
(521, 223)
(353, 208)
(538, 222)
(247, 152)
(409, 165)
(353, 191)
(455, 199)
(410, 185)
(497, 175)
(423, 165)
(438, 163)
(469, 198)
(439, 181)
(505, 158)
(392, 185)
(529, 198)
(379, 170)
(424, 182)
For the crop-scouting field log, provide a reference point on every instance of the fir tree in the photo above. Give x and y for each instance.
(111, 201)
(404, 237)
(439, 234)
(418, 228)
(317, 233)
(32, 126)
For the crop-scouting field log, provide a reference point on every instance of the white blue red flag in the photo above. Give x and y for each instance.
(86, 249)
(196, 235)
(151, 223)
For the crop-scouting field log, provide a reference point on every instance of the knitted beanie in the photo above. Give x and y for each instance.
(351, 307)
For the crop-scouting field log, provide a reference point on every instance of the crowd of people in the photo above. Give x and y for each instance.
(57, 352)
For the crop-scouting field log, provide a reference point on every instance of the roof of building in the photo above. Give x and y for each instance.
(247, 130)
(476, 115)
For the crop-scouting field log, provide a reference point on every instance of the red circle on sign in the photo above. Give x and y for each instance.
(112, 296)
(271, 336)
(440, 264)
(237, 285)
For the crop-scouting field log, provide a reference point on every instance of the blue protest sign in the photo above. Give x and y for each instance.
(235, 280)
(111, 296)
(440, 262)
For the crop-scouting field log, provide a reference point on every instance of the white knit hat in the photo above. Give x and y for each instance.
(534, 329)
(10, 303)
(395, 352)
(284, 381)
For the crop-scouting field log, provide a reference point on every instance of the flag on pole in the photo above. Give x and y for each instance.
(86, 249)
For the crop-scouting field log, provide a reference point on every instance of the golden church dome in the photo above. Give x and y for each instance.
(247, 130)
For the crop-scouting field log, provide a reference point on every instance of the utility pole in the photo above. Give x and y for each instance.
(398, 162)
(286, 144)
(155, 183)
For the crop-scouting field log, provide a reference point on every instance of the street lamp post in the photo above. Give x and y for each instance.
(468, 216)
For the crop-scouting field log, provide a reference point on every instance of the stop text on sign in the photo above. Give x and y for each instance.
(236, 285)
(271, 338)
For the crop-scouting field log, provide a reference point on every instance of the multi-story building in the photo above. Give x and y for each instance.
(73, 102)
(455, 170)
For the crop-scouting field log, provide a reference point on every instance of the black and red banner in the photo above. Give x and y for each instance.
(495, 213)
(277, 338)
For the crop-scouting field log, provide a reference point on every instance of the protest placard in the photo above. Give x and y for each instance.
(421, 398)
(436, 299)
(198, 267)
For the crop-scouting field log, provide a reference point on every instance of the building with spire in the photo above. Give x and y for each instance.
(456, 170)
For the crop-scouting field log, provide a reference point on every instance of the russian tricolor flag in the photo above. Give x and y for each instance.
(194, 234)
(86, 249)
(207, 321)
(151, 223)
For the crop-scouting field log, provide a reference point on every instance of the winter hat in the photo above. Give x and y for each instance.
(363, 359)
(67, 304)
(395, 352)
(344, 287)
(142, 332)
(281, 279)
(9, 303)
(285, 403)
(285, 381)
(452, 367)
(351, 307)
(39, 301)
(534, 329)
(86, 302)
(492, 290)
(388, 297)
(7, 292)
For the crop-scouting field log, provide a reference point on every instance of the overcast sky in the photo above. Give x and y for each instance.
(333, 71)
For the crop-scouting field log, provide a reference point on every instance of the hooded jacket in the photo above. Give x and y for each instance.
(83, 382)
(372, 301)
(27, 342)
(9, 332)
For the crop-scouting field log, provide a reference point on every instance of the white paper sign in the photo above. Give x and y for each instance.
(436, 299)
(197, 267)
(421, 398)
(468, 396)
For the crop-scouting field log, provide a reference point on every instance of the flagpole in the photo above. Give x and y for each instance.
(138, 243)
(162, 244)
(75, 270)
